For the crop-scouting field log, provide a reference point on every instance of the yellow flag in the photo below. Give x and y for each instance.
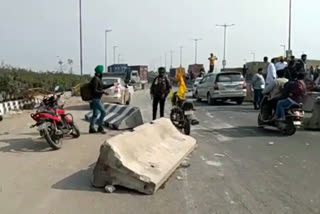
(181, 93)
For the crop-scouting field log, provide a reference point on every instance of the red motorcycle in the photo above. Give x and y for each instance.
(53, 122)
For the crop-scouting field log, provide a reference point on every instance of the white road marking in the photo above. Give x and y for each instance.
(214, 163)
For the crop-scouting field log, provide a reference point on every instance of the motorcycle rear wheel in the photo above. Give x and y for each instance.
(52, 139)
(187, 127)
(290, 129)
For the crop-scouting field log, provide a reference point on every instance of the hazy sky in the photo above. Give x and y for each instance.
(34, 32)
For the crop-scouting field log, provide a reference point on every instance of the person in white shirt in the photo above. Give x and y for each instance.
(271, 73)
(281, 64)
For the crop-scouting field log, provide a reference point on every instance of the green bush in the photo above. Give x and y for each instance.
(14, 81)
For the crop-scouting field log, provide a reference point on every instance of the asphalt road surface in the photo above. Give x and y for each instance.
(237, 168)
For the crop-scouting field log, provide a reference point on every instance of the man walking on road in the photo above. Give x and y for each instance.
(159, 91)
(258, 85)
(97, 105)
(271, 73)
(265, 70)
(212, 59)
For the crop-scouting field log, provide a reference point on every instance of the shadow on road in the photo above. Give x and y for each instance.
(243, 131)
(84, 107)
(80, 181)
(25, 145)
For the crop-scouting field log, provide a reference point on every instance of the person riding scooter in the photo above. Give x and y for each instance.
(294, 95)
(273, 92)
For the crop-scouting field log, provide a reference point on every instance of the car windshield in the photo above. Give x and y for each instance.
(229, 78)
(109, 81)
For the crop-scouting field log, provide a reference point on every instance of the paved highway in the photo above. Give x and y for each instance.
(237, 168)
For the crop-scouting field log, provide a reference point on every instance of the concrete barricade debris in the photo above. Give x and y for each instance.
(144, 159)
(120, 117)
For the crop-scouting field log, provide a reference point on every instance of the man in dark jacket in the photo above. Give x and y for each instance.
(159, 91)
(97, 105)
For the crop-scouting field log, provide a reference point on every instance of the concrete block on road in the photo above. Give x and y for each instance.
(120, 117)
(308, 103)
(313, 123)
(144, 159)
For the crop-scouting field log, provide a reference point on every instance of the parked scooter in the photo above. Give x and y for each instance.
(182, 114)
(294, 116)
(53, 122)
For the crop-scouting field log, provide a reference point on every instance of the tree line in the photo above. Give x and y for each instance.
(14, 82)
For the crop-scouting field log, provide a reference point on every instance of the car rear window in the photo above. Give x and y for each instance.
(229, 78)
(109, 81)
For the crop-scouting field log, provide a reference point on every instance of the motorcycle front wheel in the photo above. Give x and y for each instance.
(75, 131)
(53, 140)
(187, 127)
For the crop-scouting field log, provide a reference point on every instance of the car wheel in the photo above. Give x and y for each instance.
(211, 101)
(260, 121)
(198, 96)
(129, 100)
(240, 101)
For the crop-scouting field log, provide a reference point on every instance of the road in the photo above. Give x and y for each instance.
(235, 169)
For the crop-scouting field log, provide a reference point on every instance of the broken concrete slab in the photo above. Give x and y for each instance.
(144, 159)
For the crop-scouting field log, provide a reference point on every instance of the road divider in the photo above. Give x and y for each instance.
(120, 117)
(16, 105)
(144, 159)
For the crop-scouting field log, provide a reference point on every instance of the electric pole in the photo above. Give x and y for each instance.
(225, 26)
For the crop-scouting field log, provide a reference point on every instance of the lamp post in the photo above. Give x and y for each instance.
(81, 56)
(196, 49)
(181, 48)
(284, 50)
(171, 54)
(290, 18)
(253, 56)
(114, 54)
(106, 49)
(225, 26)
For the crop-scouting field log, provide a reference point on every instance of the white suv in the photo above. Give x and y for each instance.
(222, 86)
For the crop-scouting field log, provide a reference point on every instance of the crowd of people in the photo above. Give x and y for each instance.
(285, 82)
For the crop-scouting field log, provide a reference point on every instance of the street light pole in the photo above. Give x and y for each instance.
(290, 17)
(181, 47)
(81, 56)
(171, 53)
(119, 57)
(284, 49)
(165, 60)
(114, 54)
(106, 49)
(225, 26)
(253, 56)
(196, 49)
